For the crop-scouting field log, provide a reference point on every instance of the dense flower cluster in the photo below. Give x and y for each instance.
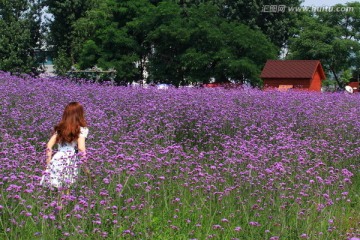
(185, 163)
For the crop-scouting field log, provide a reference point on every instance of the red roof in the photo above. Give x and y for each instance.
(292, 69)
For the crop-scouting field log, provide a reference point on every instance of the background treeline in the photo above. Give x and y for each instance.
(177, 42)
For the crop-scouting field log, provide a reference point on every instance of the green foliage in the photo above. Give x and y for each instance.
(20, 34)
(62, 62)
(229, 51)
(110, 36)
(89, 54)
(331, 38)
(62, 35)
(196, 45)
(170, 39)
(277, 26)
(346, 76)
(178, 42)
(175, 44)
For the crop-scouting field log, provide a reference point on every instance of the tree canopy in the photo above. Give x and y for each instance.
(20, 34)
(177, 42)
(332, 38)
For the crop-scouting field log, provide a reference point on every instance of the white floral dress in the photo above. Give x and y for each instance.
(63, 168)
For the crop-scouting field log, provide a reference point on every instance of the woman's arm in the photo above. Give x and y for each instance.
(81, 145)
(49, 147)
(82, 151)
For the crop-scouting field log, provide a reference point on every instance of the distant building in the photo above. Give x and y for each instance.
(355, 81)
(293, 74)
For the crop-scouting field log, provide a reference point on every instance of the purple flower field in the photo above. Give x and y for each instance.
(183, 163)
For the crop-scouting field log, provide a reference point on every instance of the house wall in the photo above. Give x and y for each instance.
(298, 83)
(315, 83)
(355, 86)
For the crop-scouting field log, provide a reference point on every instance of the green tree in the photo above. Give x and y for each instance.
(276, 24)
(330, 37)
(175, 43)
(194, 44)
(64, 14)
(169, 39)
(112, 36)
(20, 34)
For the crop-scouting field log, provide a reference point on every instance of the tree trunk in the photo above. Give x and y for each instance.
(340, 84)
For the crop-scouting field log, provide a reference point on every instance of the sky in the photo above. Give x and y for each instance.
(325, 3)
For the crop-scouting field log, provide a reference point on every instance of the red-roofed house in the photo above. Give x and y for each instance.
(296, 74)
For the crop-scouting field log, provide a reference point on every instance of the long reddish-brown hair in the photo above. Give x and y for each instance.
(73, 118)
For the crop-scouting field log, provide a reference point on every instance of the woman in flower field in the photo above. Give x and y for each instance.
(62, 168)
(187, 163)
